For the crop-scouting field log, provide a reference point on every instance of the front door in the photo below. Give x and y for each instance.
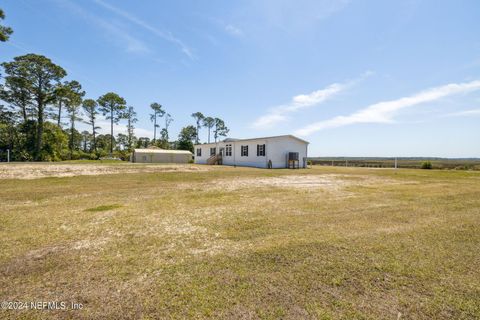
(222, 151)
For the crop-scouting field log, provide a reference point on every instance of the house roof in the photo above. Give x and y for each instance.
(259, 138)
(162, 151)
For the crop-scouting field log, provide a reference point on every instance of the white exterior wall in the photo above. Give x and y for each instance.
(205, 151)
(276, 148)
(247, 161)
(279, 147)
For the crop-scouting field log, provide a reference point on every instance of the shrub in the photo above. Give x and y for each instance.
(124, 155)
(426, 165)
(309, 163)
(25, 156)
(92, 156)
(77, 155)
(102, 154)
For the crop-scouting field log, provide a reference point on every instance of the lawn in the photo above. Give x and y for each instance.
(319, 243)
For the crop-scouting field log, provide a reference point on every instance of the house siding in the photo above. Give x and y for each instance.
(279, 149)
(276, 150)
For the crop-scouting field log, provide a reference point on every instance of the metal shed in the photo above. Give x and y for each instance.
(161, 156)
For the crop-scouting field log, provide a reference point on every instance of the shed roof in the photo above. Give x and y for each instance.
(162, 151)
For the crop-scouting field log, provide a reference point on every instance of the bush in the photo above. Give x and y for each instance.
(25, 156)
(77, 155)
(426, 165)
(101, 154)
(309, 163)
(92, 156)
(124, 155)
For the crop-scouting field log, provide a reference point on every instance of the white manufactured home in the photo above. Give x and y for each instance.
(285, 151)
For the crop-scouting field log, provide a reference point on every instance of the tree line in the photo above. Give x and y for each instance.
(42, 111)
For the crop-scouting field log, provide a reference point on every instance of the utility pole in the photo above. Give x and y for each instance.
(396, 163)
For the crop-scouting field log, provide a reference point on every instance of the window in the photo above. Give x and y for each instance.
(260, 150)
(213, 151)
(244, 151)
(199, 152)
(228, 150)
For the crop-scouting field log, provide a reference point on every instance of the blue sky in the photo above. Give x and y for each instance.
(355, 78)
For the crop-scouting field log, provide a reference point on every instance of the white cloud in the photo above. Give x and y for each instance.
(384, 112)
(234, 31)
(133, 44)
(166, 35)
(472, 112)
(141, 132)
(117, 128)
(122, 128)
(122, 37)
(280, 113)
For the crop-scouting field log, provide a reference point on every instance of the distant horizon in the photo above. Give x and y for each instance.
(399, 157)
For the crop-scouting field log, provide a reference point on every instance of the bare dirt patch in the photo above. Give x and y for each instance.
(43, 170)
(186, 239)
(333, 182)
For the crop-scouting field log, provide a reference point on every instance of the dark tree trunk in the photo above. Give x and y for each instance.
(40, 106)
(154, 126)
(59, 113)
(94, 140)
(198, 129)
(111, 131)
(71, 136)
(24, 113)
(38, 144)
(129, 134)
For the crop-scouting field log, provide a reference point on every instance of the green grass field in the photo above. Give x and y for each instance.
(320, 243)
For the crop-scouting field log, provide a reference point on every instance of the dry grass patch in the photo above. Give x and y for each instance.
(323, 243)
(43, 170)
(328, 181)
